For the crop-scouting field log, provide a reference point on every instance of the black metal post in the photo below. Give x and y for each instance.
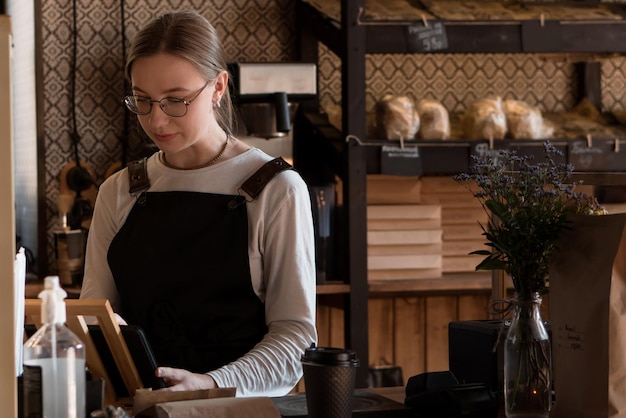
(354, 193)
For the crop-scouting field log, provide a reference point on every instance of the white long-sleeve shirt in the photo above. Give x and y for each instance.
(281, 252)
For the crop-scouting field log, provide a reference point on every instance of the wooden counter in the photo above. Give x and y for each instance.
(32, 290)
(380, 403)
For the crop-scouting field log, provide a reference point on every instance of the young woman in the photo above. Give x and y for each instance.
(221, 279)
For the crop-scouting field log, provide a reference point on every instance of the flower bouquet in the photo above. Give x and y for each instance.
(528, 205)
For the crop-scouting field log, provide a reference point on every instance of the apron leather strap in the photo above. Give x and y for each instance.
(139, 182)
(263, 175)
(138, 179)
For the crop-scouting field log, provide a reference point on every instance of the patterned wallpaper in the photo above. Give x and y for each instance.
(251, 30)
(546, 81)
(258, 30)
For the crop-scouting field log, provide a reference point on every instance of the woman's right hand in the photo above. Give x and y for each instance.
(180, 379)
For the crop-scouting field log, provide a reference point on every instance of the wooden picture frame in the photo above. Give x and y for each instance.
(100, 309)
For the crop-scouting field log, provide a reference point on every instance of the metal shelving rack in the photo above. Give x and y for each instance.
(320, 150)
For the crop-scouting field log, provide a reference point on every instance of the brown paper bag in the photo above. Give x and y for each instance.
(254, 407)
(145, 399)
(588, 316)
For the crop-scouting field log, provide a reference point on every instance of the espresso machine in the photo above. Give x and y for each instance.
(266, 95)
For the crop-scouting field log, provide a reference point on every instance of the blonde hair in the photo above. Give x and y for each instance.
(187, 35)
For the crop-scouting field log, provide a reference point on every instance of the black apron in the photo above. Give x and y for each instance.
(180, 264)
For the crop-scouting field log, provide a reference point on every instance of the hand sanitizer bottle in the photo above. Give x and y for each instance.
(54, 362)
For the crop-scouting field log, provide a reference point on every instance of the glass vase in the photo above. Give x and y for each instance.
(527, 362)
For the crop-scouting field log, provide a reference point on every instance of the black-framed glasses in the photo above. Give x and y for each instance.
(172, 106)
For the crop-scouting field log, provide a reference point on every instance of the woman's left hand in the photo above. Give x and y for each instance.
(180, 379)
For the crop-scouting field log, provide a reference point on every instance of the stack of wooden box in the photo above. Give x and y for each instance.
(461, 214)
(404, 236)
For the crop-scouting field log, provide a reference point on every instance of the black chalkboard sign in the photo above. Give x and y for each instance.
(586, 157)
(400, 161)
(426, 36)
(615, 155)
(596, 155)
(535, 150)
(538, 36)
(483, 148)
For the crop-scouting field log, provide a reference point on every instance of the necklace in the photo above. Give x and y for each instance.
(211, 162)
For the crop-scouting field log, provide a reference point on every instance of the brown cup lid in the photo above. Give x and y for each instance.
(330, 356)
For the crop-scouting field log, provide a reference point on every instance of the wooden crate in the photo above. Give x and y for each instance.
(404, 241)
(461, 219)
(386, 189)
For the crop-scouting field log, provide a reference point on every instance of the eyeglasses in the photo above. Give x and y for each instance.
(172, 106)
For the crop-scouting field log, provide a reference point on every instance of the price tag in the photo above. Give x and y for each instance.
(422, 38)
(400, 161)
(588, 157)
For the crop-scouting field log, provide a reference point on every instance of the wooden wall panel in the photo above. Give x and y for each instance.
(410, 335)
(473, 307)
(323, 326)
(330, 326)
(381, 331)
(440, 310)
(337, 326)
(408, 331)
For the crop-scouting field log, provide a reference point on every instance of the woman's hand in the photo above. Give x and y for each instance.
(180, 379)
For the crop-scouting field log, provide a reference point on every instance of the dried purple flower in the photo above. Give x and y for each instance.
(527, 206)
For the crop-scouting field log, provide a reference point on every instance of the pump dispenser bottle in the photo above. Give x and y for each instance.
(54, 362)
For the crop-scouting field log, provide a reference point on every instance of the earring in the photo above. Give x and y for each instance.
(216, 104)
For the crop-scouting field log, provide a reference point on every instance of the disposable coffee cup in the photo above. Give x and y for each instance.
(329, 376)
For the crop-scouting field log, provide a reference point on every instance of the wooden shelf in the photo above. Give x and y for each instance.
(449, 283)
(33, 289)
(601, 178)
(483, 36)
(603, 162)
(509, 37)
(333, 288)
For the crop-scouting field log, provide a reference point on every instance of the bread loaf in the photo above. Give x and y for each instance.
(525, 121)
(485, 119)
(434, 119)
(396, 117)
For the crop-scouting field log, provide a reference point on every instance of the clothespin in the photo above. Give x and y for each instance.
(589, 142)
(490, 142)
(424, 20)
(541, 20)
(616, 147)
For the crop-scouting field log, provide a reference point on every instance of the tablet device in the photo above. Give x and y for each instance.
(140, 351)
